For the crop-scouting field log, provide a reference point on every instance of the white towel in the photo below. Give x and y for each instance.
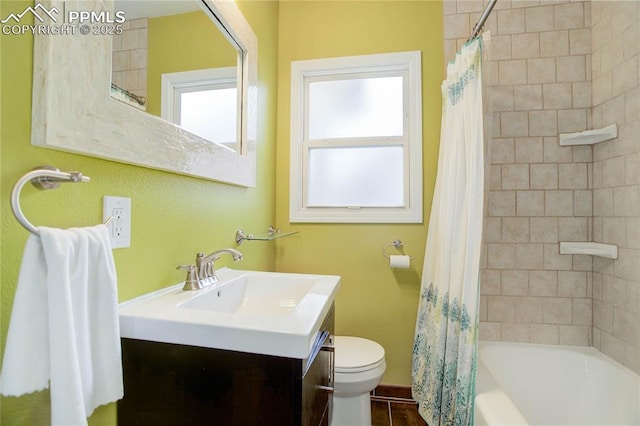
(64, 325)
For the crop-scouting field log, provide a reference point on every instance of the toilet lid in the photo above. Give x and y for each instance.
(356, 353)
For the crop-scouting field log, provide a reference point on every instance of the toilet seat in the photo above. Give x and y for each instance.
(355, 354)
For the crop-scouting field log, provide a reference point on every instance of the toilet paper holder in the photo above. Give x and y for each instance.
(397, 244)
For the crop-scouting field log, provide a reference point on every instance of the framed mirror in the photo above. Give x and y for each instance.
(73, 109)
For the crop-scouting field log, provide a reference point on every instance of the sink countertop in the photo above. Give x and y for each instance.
(171, 315)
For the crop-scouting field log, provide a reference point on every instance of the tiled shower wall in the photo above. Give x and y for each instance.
(539, 69)
(616, 179)
(539, 192)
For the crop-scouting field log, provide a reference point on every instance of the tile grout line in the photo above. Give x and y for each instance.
(389, 413)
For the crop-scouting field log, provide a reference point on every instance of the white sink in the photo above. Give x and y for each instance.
(255, 294)
(259, 312)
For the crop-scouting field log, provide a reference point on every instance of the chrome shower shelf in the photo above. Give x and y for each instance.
(271, 234)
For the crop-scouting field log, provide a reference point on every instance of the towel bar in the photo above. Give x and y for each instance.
(42, 178)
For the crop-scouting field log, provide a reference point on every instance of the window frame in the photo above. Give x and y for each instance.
(407, 64)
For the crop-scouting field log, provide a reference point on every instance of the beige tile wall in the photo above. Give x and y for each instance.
(129, 62)
(540, 193)
(616, 179)
(543, 80)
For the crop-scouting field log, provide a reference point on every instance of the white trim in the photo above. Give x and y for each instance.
(88, 121)
(301, 71)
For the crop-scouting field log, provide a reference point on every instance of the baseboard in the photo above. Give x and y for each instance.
(393, 393)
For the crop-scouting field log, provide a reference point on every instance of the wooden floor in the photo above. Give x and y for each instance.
(393, 406)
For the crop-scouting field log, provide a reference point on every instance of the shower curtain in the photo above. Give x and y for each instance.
(445, 345)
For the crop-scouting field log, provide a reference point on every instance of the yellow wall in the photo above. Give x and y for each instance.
(374, 301)
(173, 216)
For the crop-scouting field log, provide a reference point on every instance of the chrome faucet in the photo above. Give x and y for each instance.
(203, 273)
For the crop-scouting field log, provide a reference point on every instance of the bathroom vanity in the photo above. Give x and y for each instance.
(188, 361)
(168, 384)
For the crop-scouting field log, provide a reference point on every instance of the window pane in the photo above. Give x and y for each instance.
(362, 176)
(210, 114)
(361, 107)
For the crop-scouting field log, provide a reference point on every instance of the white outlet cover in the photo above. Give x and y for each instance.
(120, 225)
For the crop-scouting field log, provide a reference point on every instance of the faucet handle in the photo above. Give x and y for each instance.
(186, 267)
(191, 282)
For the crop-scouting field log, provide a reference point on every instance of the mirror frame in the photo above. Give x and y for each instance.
(73, 110)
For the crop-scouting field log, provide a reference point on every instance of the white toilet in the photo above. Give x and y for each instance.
(359, 366)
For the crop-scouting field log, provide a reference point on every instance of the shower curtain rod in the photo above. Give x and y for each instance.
(485, 14)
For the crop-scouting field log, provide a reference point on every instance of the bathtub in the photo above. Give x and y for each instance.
(526, 384)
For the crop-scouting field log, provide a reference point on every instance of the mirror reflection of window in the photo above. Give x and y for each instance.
(206, 111)
(203, 102)
(172, 37)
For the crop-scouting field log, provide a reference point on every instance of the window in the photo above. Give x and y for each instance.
(204, 102)
(356, 139)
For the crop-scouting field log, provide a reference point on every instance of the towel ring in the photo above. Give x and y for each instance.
(46, 177)
(397, 244)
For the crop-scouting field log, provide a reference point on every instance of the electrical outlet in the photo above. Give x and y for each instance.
(119, 209)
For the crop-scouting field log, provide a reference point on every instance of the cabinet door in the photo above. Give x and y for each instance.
(317, 384)
(176, 385)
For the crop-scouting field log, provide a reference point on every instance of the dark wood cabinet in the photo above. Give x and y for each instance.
(167, 384)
